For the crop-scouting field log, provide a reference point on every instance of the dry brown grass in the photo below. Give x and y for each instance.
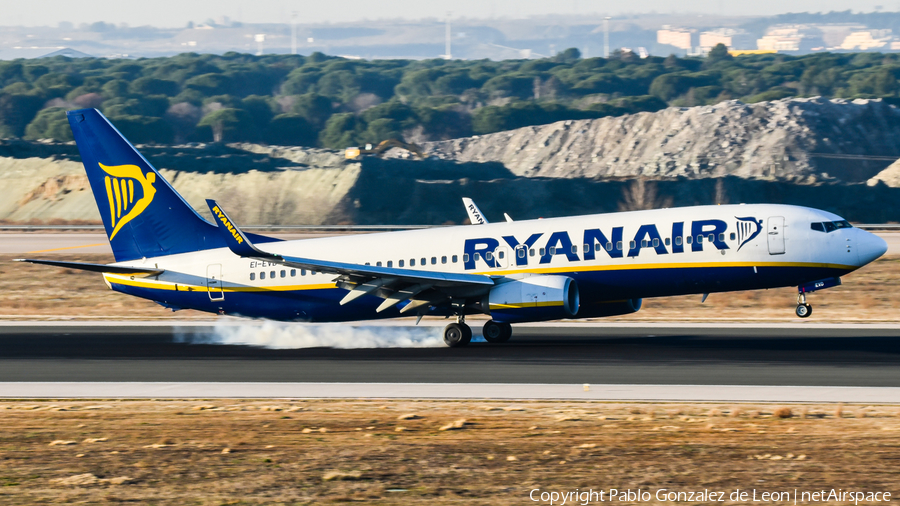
(253, 452)
(39, 292)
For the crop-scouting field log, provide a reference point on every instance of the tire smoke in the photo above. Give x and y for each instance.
(281, 336)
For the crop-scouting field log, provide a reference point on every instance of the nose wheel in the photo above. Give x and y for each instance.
(803, 309)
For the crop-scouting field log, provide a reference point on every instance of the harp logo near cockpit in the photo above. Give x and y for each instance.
(747, 230)
(129, 192)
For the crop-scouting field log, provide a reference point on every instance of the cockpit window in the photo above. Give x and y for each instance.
(830, 226)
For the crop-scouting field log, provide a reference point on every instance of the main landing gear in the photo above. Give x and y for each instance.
(457, 334)
(803, 309)
(495, 332)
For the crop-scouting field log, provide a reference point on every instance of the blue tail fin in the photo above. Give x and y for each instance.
(143, 215)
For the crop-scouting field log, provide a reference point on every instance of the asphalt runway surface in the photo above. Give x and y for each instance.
(814, 355)
(39, 243)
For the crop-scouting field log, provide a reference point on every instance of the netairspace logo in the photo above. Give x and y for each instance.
(286, 336)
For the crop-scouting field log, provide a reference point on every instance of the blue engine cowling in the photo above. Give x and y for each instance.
(535, 298)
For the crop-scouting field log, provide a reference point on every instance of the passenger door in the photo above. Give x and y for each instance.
(775, 231)
(214, 282)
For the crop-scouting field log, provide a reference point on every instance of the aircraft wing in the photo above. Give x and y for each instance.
(422, 288)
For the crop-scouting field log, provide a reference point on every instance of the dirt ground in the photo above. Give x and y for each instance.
(395, 452)
(30, 291)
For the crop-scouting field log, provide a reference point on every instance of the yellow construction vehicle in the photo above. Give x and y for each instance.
(355, 152)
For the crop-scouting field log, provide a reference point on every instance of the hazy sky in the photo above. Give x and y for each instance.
(173, 13)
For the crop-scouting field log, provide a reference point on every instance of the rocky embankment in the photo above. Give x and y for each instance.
(829, 154)
(799, 140)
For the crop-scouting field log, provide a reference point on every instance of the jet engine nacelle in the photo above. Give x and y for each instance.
(535, 298)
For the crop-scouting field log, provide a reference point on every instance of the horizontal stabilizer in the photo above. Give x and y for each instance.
(109, 269)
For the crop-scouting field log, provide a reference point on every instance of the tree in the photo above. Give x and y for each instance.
(718, 53)
(50, 123)
(291, 130)
(229, 125)
(314, 107)
(154, 86)
(17, 111)
(341, 131)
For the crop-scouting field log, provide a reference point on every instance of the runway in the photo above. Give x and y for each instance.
(640, 361)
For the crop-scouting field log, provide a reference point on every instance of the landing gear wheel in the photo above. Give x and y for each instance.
(457, 334)
(804, 310)
(495, 332)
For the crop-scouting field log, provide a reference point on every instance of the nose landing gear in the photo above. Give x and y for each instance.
(803, 309)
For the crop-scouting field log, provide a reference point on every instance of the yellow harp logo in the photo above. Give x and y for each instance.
(120, 192)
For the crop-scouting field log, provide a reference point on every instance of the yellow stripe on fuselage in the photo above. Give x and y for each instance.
(183, 287)
(527, 304)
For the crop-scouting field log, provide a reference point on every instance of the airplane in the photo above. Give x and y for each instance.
(586, 266)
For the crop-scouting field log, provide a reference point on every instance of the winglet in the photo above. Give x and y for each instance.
(234, 237)
(476, 217)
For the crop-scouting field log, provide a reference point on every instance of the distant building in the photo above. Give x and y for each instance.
(782, 38)
(32, 52)
(678, 37)
(867, 39)
(731, 38)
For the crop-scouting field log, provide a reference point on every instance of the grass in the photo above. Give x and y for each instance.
(496, 457)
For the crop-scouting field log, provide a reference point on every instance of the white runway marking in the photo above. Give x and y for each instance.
(672, 393)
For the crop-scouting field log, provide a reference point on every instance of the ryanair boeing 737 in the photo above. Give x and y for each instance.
(516, 271)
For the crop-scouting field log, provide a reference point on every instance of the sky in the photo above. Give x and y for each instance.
(177, 13)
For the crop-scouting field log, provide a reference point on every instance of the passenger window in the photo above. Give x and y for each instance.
(400, 263)
(608, 246)
(252, 276)
(619, 245)
(644, 243)
(424, 262)
(262, 275)
(312, 273)
(272, 274)
(699, 239)
(488, 255)
(476, 256)
(465, 257)
(284, 274)
(303, 272)
(668, 241)
(293, 273)
(541, 251)
(552, 250)
(443, 260)
(453, 259)
(412, 262)
(631, 244)
(597, 246)
(586, 248)
(721, 237)
(531, 252)
(390, 263)
(732, 236)
(712, 238)
(501, 254)
(520, 252)
(678, 241)
(433, 260)
(689, 239)
(655, 242)
(377, 264)
(574, 249)
(817, 227)
(367, 263)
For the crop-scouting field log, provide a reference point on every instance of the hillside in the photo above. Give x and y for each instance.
(799, 140)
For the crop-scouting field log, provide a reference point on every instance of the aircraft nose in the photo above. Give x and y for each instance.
(870, 247)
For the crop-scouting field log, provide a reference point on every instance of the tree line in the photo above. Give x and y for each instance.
(334, 102)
